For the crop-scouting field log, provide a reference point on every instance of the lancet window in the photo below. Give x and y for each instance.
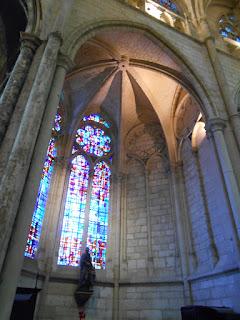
(85, 220)
(43, 191)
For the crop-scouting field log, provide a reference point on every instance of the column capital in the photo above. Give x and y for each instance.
(56, 35)
(30, 40)
(65, 62)
(235, 116)
(215, 124)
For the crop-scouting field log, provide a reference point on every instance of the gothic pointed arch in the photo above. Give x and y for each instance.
(85, 218)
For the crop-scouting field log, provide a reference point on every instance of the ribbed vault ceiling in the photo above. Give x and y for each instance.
(108, 79)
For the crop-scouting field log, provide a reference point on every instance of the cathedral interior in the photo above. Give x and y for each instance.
(119, 132)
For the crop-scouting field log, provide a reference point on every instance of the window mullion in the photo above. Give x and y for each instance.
(87, 210)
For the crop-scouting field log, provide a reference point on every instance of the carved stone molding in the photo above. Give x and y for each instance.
(30, 41)
(215, 124)
(65, 62)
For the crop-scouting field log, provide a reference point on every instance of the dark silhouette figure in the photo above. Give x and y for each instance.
(87, 275)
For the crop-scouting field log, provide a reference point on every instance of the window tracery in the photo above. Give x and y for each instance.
(87, 224)
(170, 5)
(74, 214)
(229, 27)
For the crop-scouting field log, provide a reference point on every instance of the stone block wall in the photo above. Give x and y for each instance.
(150, 227)
(219, 284)
(100, 306)
(231, 69)
(148, 302)
(219, 290)
(60, 303)
(163, 233)
(216, 199)
(195, 205)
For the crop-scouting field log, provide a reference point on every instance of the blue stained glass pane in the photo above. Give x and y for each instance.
(229, 29)
(74, 215)
(36, 225)
(169, 5)
(97, 118)
(57, 126)
(58, 120)
(223, 33)
(98, 216)
(93, 140)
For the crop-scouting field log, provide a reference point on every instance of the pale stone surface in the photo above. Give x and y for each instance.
(157, 302)
(148, 256)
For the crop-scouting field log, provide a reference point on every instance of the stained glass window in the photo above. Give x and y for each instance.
(43, 190)
(170, 5)
(58, 120)
(36, 225)
(97, 118)
(229, 27)
(98, 216)
(82, 224)
(93, 140)
(73, 221)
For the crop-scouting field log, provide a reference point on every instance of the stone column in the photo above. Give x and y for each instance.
(149, 229)
(216, 127)
(221, 82)
(15, 253)
(185, 212)
(56, 198)
(15, 174)
(116, 209)
(181, 230)
(9, 97)
(124, 217)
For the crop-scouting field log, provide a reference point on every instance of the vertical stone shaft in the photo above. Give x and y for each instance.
(216, 127)
(13, 181)
(16, 80)
(206, 214)
(51, 235)
(221, 81)
(185, 211)
(16, 117)
(15, 254)
(124, 217)
(181, 232)
(87, 209)
(116, 207)
(149, 229)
